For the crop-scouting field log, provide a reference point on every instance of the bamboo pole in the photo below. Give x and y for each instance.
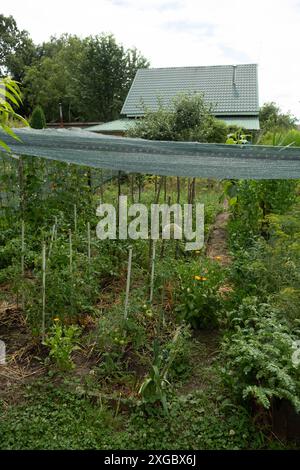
(128, 283)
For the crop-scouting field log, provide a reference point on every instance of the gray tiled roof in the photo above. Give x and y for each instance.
(216, 83)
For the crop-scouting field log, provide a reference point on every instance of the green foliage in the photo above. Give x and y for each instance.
(62, 341)
(189, 119)
(271, 267)
(153, 389)
(239, 137)
(34, 424)
(252, 201)
(195, 422)
(271, 118)
(10, 97)
(289, 138)
(199, 301)
(89, 76)
(258, 355)
(38, 120)
(17, 50)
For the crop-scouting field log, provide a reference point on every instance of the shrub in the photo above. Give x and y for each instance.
(189, 119)
(38, 120)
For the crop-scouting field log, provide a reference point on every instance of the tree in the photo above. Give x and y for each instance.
(272, 119)
(90, 77)
(107, 71)
(17, 50)
(188, 119)
(54, 79)
(38, 120)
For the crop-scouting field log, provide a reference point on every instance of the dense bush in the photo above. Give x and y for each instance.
(188, 119)
(38, 120)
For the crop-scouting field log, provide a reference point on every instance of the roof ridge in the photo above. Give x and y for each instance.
(197, 66)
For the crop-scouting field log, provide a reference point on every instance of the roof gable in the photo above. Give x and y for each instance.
(233, 90)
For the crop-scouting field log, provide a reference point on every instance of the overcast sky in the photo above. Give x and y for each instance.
(186, 32)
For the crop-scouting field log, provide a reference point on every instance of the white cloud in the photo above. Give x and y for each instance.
(187, 32)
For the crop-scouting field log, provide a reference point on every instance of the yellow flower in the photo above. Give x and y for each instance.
(200, 278)
(56, 319)
(218, 258)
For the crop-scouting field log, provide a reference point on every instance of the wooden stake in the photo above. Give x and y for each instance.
(23, 262)
(128, 283)
(70, 252)
(44, 290)
(75, 218)
(89, 240)
(23, 249)
(132, 188)
(21, 187)
(101, 185)
(53, 236)
(152, 273)
(165, 189)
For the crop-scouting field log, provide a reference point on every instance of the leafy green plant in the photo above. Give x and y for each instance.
(258, 355)
(62, 341)
(199, 301)
(154, 389)
(10, 96)
(238, 137)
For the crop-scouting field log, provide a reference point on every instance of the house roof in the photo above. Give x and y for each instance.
(120, 125)
(123, 125)
(233, 90)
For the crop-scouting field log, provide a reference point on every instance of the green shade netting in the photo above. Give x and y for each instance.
(156, 157)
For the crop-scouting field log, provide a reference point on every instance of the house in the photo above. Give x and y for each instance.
(231, 89)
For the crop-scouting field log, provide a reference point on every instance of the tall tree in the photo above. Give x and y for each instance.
(107, 71)
(54, 78)
(90, 77)
(17, 50)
